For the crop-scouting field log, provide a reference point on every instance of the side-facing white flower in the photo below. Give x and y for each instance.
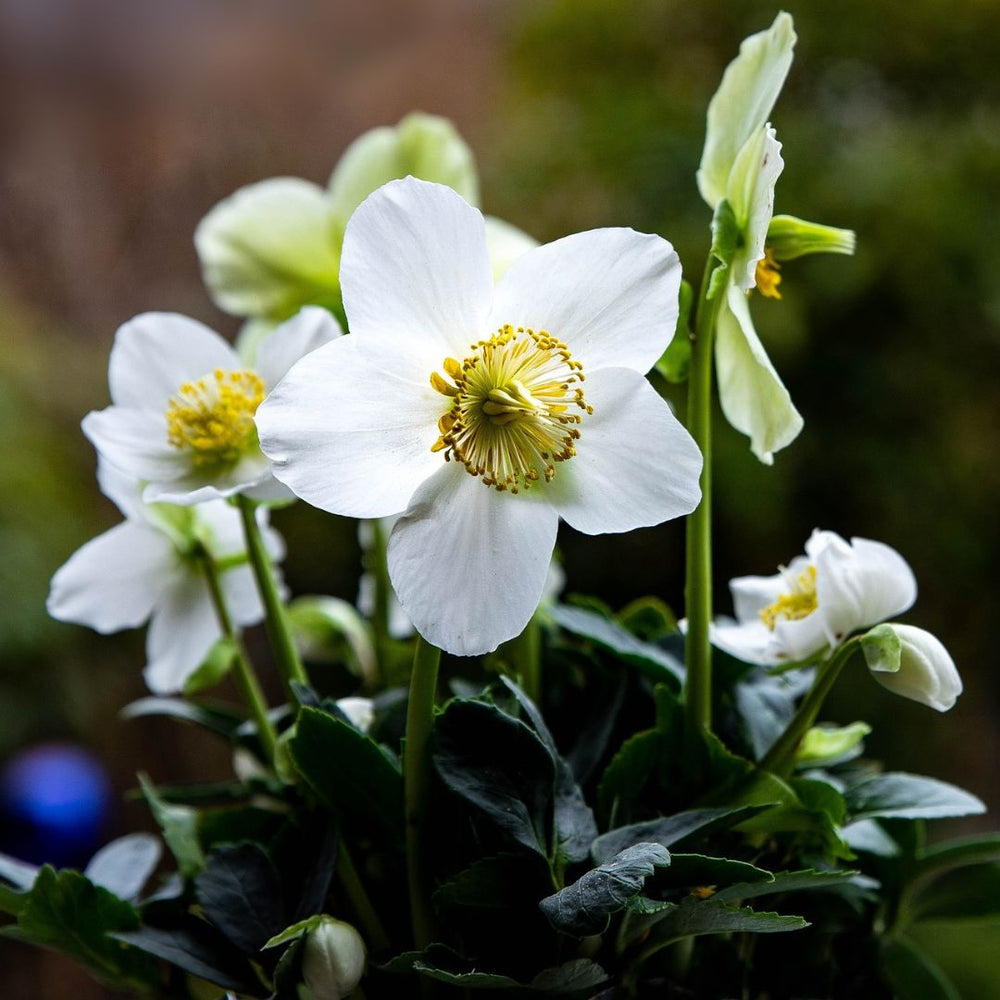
(274, 246)
(913, 663)
(146, 568)
(813, 604)
(183, 403)
(485, 413)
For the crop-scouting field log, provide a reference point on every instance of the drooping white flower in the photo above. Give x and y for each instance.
(816, 602)
(183, 402)
(146, 568)
(272, 247)
(485, 413)
(913, 663)
(740, 166)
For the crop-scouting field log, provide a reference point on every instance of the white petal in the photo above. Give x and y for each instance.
(635, 465)
(867, 584)
(610, 294)
(751, 394)
(239, 587)
(123, 490)
(743, 102)
(802, 638)
(251, 471)
(135, 442)
(926, 673)
(181, 632)
(114, 580)
(415, 266)
(750, 641)
(505, 244)
(350, 428)
(270, 248)
(751, 594)
(310, 328)
(156, 352)
(426, 146)
(469, 563)
(751, 194)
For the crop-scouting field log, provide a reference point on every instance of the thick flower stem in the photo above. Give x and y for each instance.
(246, 679)
(416, 779)
(278, 632)
(698, 584)
(780, 759)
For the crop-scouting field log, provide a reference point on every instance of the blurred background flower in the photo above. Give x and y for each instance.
(123, 124)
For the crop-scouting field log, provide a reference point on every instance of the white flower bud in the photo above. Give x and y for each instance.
(922, 670)
(333, 959)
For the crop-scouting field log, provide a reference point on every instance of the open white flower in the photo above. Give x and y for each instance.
(813, 604)
(485, 413)
(272, 247)
(147, 568)
(183, 403)
(913, 663)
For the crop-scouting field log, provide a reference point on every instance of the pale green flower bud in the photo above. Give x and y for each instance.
(825, 744)
(333, 959)
(789, 237)
(912, 663)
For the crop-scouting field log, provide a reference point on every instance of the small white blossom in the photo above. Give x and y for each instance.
(484, 414)
(146, 568)
(183, 403)
(333, 959)
(917, 666)
(816, 602)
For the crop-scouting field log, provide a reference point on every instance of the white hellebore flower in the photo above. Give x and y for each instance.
(274, 246)
(183, 403)
(813, 604)
(482, 413)
(147, 568)
(913, 663)
(333, 959)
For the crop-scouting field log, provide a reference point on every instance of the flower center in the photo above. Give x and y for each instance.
(213, 417)
(799, 602)
(511, 418)
(768, 275)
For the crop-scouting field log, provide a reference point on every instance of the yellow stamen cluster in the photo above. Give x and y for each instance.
(799, 602)
(511, 415)
(768, 275)
(213, 417)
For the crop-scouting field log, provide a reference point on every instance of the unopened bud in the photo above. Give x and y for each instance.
(914, 664)
(788, 238)
(333, 959)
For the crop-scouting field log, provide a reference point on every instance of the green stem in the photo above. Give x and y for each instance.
(698, 584)
(379, 568)
(780, 759)
(416, 779)
(526, 650)
(278, 632)
(246, 679)
(355, 891)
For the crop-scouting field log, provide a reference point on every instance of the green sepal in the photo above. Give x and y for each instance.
(215, 667)
(882, 648)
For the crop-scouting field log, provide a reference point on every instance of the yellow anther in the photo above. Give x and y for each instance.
(799, 602)
(213, 417)
(768, 275)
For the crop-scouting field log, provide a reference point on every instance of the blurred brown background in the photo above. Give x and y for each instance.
(123, 123)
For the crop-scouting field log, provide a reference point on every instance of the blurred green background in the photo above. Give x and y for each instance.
(124, 124)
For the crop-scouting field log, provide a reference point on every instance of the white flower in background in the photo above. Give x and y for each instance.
(485, 413)
(147, 568)
(183, 403)
(813, 604)
(274, 246)
(912, 663)
(739, 168)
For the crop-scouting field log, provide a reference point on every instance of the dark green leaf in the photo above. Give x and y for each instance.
(784, 882)
(971, 891)
(499, 765)
(909, 796)
(648, 618)
(214, 668)
(240, 893)
(219, 719)
(197, 948)
(693, 871)
(349, 773)
(579, 974)
(585, 907)
(651, 661)
(964, 851)
(766, 704)
(913, 975)
(179, 825)
(124, 865)
(628, 773)
(504, 882)
(693, 917)
(669, 830)
(65, 912)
